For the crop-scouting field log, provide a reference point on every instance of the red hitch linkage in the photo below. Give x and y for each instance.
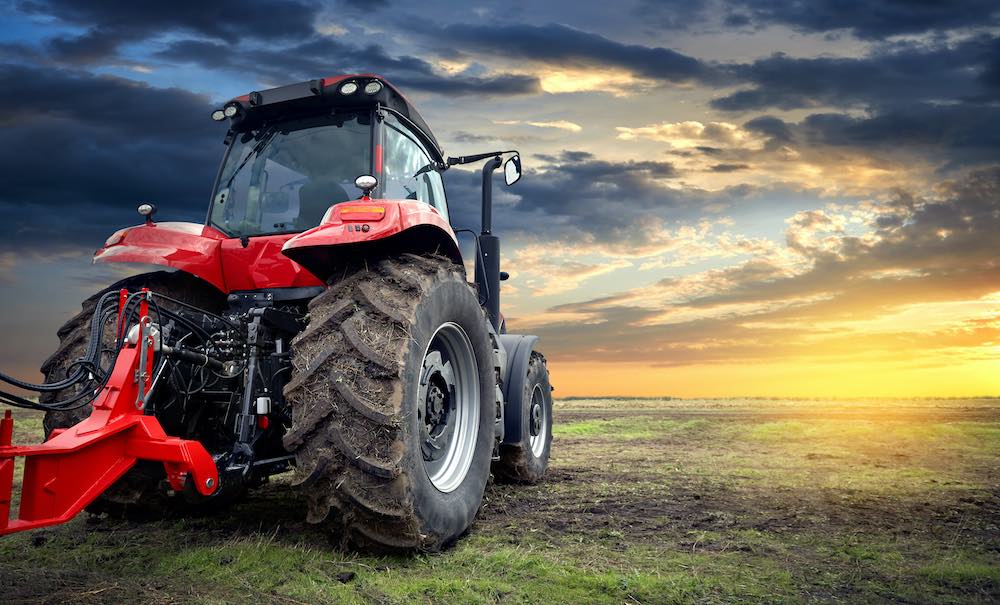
(75, 466)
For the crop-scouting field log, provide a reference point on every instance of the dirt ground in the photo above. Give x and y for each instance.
(669, 501)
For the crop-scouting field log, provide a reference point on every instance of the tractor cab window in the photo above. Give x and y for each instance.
(283, 179)
(405, 172)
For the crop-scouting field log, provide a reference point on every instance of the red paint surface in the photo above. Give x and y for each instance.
(264, 263)
(186, 246)
(210, 255)
(400, 215)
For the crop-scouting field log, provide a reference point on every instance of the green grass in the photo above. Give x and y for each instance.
(672, 502)
(629, 428)
(982, 574)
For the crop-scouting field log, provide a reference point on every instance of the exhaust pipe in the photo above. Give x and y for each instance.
(488, 277)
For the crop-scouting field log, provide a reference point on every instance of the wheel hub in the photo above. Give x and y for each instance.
(437, 401)
(447, 407)
(538, 421)
(536, 418)
(436, 412)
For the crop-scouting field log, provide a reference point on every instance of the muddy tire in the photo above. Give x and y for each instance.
(370, 405)
(138, 494)
(527, 461)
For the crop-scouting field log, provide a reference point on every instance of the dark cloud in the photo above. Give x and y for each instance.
(321, 56)
(870, 19)
(604, 200)
(900, 73)
(699, 149)
(947, 135)
(774, 128)
(365, 5)
(568, 47)
(462, 136)
(110, 25)
(229, 20)
(81, 151)
(580, 199)
(709, 150)
(729, 167)
(76, 164)
(94, 46)
(671, 14)
(866, 19)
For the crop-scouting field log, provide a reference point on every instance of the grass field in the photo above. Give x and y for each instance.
(677, 501)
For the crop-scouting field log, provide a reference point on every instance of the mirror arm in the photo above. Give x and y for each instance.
(468, 159)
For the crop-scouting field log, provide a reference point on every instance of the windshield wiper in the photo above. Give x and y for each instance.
(265, 138)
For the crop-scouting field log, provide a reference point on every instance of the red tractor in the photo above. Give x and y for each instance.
(302, 327)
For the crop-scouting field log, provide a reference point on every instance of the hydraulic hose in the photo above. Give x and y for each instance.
(87, 370)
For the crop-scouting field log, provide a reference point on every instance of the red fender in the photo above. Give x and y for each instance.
(207, 253)
(286, 260)
(365, 226)
(187, 246)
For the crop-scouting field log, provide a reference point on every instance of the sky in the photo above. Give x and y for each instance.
(720, 198)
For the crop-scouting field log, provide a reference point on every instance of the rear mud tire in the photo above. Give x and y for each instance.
(139, 495)
(355, 394)
(527, 460)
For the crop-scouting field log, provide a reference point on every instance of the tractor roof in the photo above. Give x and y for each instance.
(322, 93)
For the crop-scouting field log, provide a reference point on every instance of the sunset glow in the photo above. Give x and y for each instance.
(718, 199)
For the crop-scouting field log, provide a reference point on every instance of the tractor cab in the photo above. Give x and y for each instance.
(295, 151)
(278, 216)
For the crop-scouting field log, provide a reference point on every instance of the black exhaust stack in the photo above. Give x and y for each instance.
(488, 277)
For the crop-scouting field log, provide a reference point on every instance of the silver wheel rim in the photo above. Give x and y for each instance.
(538, 422)
(448, 407)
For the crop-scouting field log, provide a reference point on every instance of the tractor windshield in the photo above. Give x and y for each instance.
(283, 178)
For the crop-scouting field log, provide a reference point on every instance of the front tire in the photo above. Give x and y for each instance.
(392, 401)
(527, 460)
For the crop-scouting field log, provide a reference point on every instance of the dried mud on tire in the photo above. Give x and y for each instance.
(349, 432)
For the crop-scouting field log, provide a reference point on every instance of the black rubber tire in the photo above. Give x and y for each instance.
(353, 395)
(518, 463)
(138, 495)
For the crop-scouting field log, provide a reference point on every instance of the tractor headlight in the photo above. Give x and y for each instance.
(348, 88)
(218, 115)
(231, 110)
(373, 87)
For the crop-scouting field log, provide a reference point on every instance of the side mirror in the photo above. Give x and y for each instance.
(512, 170)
